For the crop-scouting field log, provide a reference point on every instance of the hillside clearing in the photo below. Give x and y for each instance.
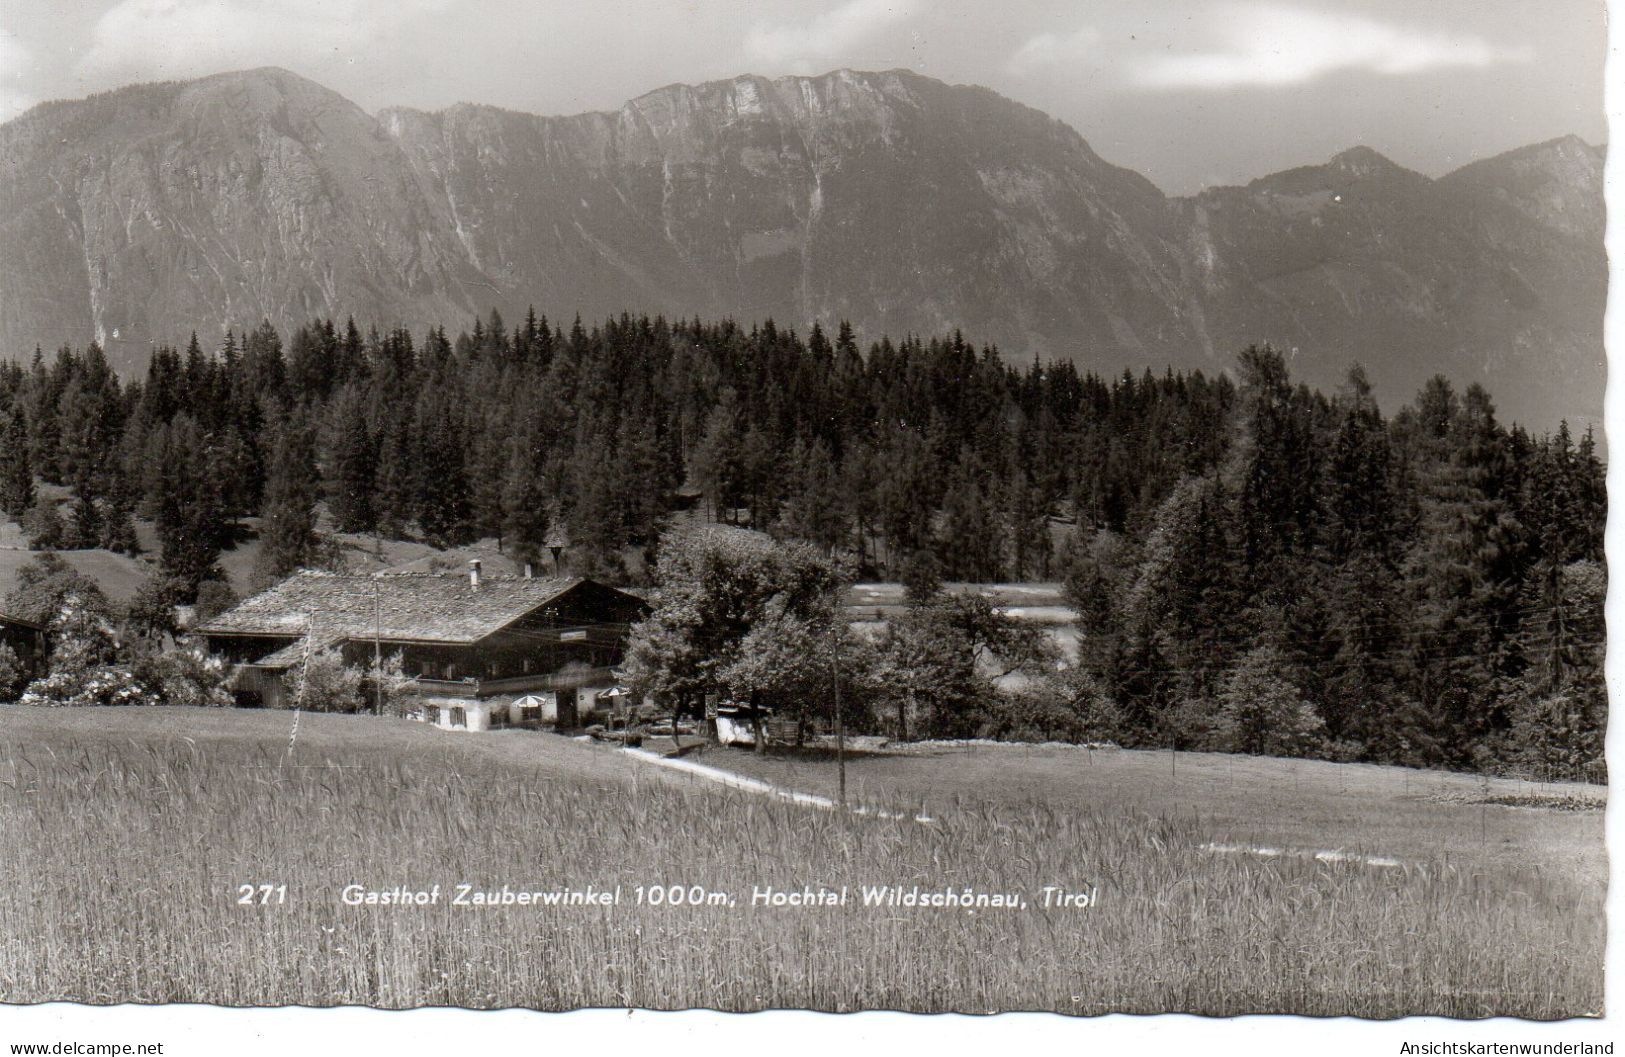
(118, 575)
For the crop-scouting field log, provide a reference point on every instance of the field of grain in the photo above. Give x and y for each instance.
(129, 834)
(1397, 812)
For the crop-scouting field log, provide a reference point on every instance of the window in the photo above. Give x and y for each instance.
(459, 716)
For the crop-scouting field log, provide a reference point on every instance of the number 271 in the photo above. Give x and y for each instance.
(264, 895)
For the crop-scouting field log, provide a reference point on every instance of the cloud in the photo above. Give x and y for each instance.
(15, 59)
(13, 103)
(830, 36)
(1272, 45)
(180, 38)
(13, 56)
(1051, 50)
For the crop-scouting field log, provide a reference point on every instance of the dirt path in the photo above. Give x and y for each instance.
(753, 785)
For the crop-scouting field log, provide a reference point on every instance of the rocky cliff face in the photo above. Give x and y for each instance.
(895, 201)
(1490, 275)
(135, 216)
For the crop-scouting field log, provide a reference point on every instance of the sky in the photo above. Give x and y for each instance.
(1191, 93)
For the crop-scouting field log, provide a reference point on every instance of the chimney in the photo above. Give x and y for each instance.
(474, 575)
(529, 574)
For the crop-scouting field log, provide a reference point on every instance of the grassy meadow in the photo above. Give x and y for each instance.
(128, 833)
(1399, 812)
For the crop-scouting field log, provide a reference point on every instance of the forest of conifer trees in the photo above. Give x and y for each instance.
(1423, 587)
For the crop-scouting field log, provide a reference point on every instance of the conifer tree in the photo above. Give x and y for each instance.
(714, 462)
(442, 492)
(189, 517)
(972, 538)
(353, 475)
(906, 493)
(288, 538)
(1031, 548)
(16, 471)
(1273, 463)
(1359, 500)
(395, 500)
(527, 511)
(41, 398)
(817, 506)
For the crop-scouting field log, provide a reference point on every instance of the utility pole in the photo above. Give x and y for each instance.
(835, 687)
(377, 649)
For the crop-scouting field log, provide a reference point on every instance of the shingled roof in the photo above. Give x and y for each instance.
(15, 621)
(409, 607)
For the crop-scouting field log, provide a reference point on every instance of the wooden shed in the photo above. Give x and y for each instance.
(27, 640)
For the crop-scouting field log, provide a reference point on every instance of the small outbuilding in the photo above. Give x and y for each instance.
(26, 640)
(736, 723)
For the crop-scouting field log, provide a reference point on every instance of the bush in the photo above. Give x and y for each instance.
(118, 534)
(939, 661)
(82, 636)
(390, 689)
(46, 583)
(185, 676)
(12, 674)
(1557, 733)
(1263, 714)
(598, 564)
(327, 684)
(151, 613)
(101, 685)
(214, 597)
(1070, 705)
(1191, 723)
(922, 577)
(1088, 563)
(85, 662)
(43, 527)
(1408, 734)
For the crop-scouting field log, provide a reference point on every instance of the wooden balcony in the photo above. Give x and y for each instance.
(517, 684)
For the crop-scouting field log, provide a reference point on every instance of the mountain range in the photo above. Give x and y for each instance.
(898, 202)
